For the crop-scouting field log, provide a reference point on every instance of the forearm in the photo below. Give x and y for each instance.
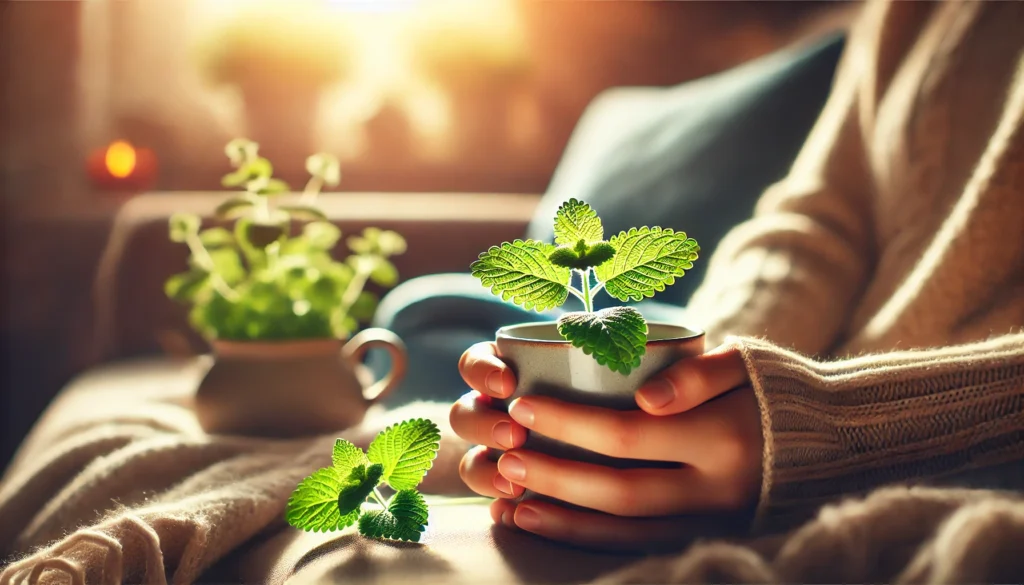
(845, 427)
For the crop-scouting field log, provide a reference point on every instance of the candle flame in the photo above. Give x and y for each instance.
(120, 159)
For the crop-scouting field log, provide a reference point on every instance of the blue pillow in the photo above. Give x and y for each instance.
(694, 157)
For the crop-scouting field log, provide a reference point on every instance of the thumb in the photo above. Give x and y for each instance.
(690, 382)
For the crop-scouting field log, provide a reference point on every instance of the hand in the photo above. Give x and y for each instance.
(700, 412)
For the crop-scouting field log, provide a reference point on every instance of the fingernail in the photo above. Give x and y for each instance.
(502, 434)
(527, 519)
(502, 485)
(494, 383)
(657, 393)
(521, 413)
(512, 468)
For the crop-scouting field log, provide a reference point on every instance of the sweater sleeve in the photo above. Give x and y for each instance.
(793, 271)
(953, 415)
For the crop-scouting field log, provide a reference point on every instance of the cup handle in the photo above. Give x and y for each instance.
(356, 348)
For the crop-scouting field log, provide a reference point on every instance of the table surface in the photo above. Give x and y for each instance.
(460, 545)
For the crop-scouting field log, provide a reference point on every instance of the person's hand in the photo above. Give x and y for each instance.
(700, 412)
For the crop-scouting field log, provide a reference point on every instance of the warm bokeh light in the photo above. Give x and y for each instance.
(120, 159)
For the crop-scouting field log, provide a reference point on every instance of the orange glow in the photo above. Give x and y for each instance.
(120, 159)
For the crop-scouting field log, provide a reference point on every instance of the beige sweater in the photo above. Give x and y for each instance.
(900, 228)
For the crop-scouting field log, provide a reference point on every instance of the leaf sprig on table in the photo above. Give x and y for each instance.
(334, 497)
(631, 266)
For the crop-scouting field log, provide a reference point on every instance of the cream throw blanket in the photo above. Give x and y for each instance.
(118, 483)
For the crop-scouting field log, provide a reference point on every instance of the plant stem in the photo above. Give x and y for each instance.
(355, 286)
(313, 187)
(262, 208)
(576, 292)
(202, 255)
(596, 289)
(588, 304)
(380, 499)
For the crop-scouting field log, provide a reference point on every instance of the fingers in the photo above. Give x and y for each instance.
(481, 475)
(473, 419)
(629, 434)
(693, 381)
(595, 530)
(622, 492)
(485, 372)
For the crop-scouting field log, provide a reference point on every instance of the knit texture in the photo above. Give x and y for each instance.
(900, 227)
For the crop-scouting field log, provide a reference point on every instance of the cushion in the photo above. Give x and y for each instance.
(694, 157)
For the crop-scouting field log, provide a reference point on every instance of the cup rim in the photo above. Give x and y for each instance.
(688, 333)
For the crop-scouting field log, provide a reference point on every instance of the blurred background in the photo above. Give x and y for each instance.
(105, 99)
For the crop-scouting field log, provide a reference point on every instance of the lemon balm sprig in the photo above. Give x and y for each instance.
(631, 266)
(333, 498)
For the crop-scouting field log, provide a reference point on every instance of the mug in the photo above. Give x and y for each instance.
(294, 388)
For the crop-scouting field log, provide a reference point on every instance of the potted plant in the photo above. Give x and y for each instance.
(276, 306)
(280, 60)
(592, 357)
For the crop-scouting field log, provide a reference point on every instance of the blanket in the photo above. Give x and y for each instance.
(118, 483)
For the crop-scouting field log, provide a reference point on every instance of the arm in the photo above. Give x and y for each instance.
(793, 272)
(950, 415)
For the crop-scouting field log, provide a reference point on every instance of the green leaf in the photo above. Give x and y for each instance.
(303, 212)
(582, 256)
(182, 226)
(313, 506)
(347, 456)
(521, 272)
(390, 243)
(365, 306)
(321, 234)
(233, 207)
(407, 451)
(240, 150)
(326, 167)
(274, 187)
(227, 264)
(236, 178)
(384, 273)
(574, 221)
(184, 287)
(217, 237)
(405, 519)
(358, 485)
(646, 261)
(616, 337)
(261, 235)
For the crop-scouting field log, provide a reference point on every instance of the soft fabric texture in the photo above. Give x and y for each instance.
(118, 484)
(900, 227)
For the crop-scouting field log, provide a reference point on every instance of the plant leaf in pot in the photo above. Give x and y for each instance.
(597, 358)
(280, 312)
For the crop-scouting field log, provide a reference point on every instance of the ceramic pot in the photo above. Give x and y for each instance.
(546, 364)
(294, 388)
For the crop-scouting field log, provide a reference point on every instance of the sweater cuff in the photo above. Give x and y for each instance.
(839, 429)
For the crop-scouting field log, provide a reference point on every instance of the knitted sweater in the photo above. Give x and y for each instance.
(899, 228)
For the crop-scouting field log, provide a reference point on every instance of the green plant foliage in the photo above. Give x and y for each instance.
(404, 519)
(520, 272)
(632, 266)
(333, 498)
(616, 336)
(647, 260)
(261, 281)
